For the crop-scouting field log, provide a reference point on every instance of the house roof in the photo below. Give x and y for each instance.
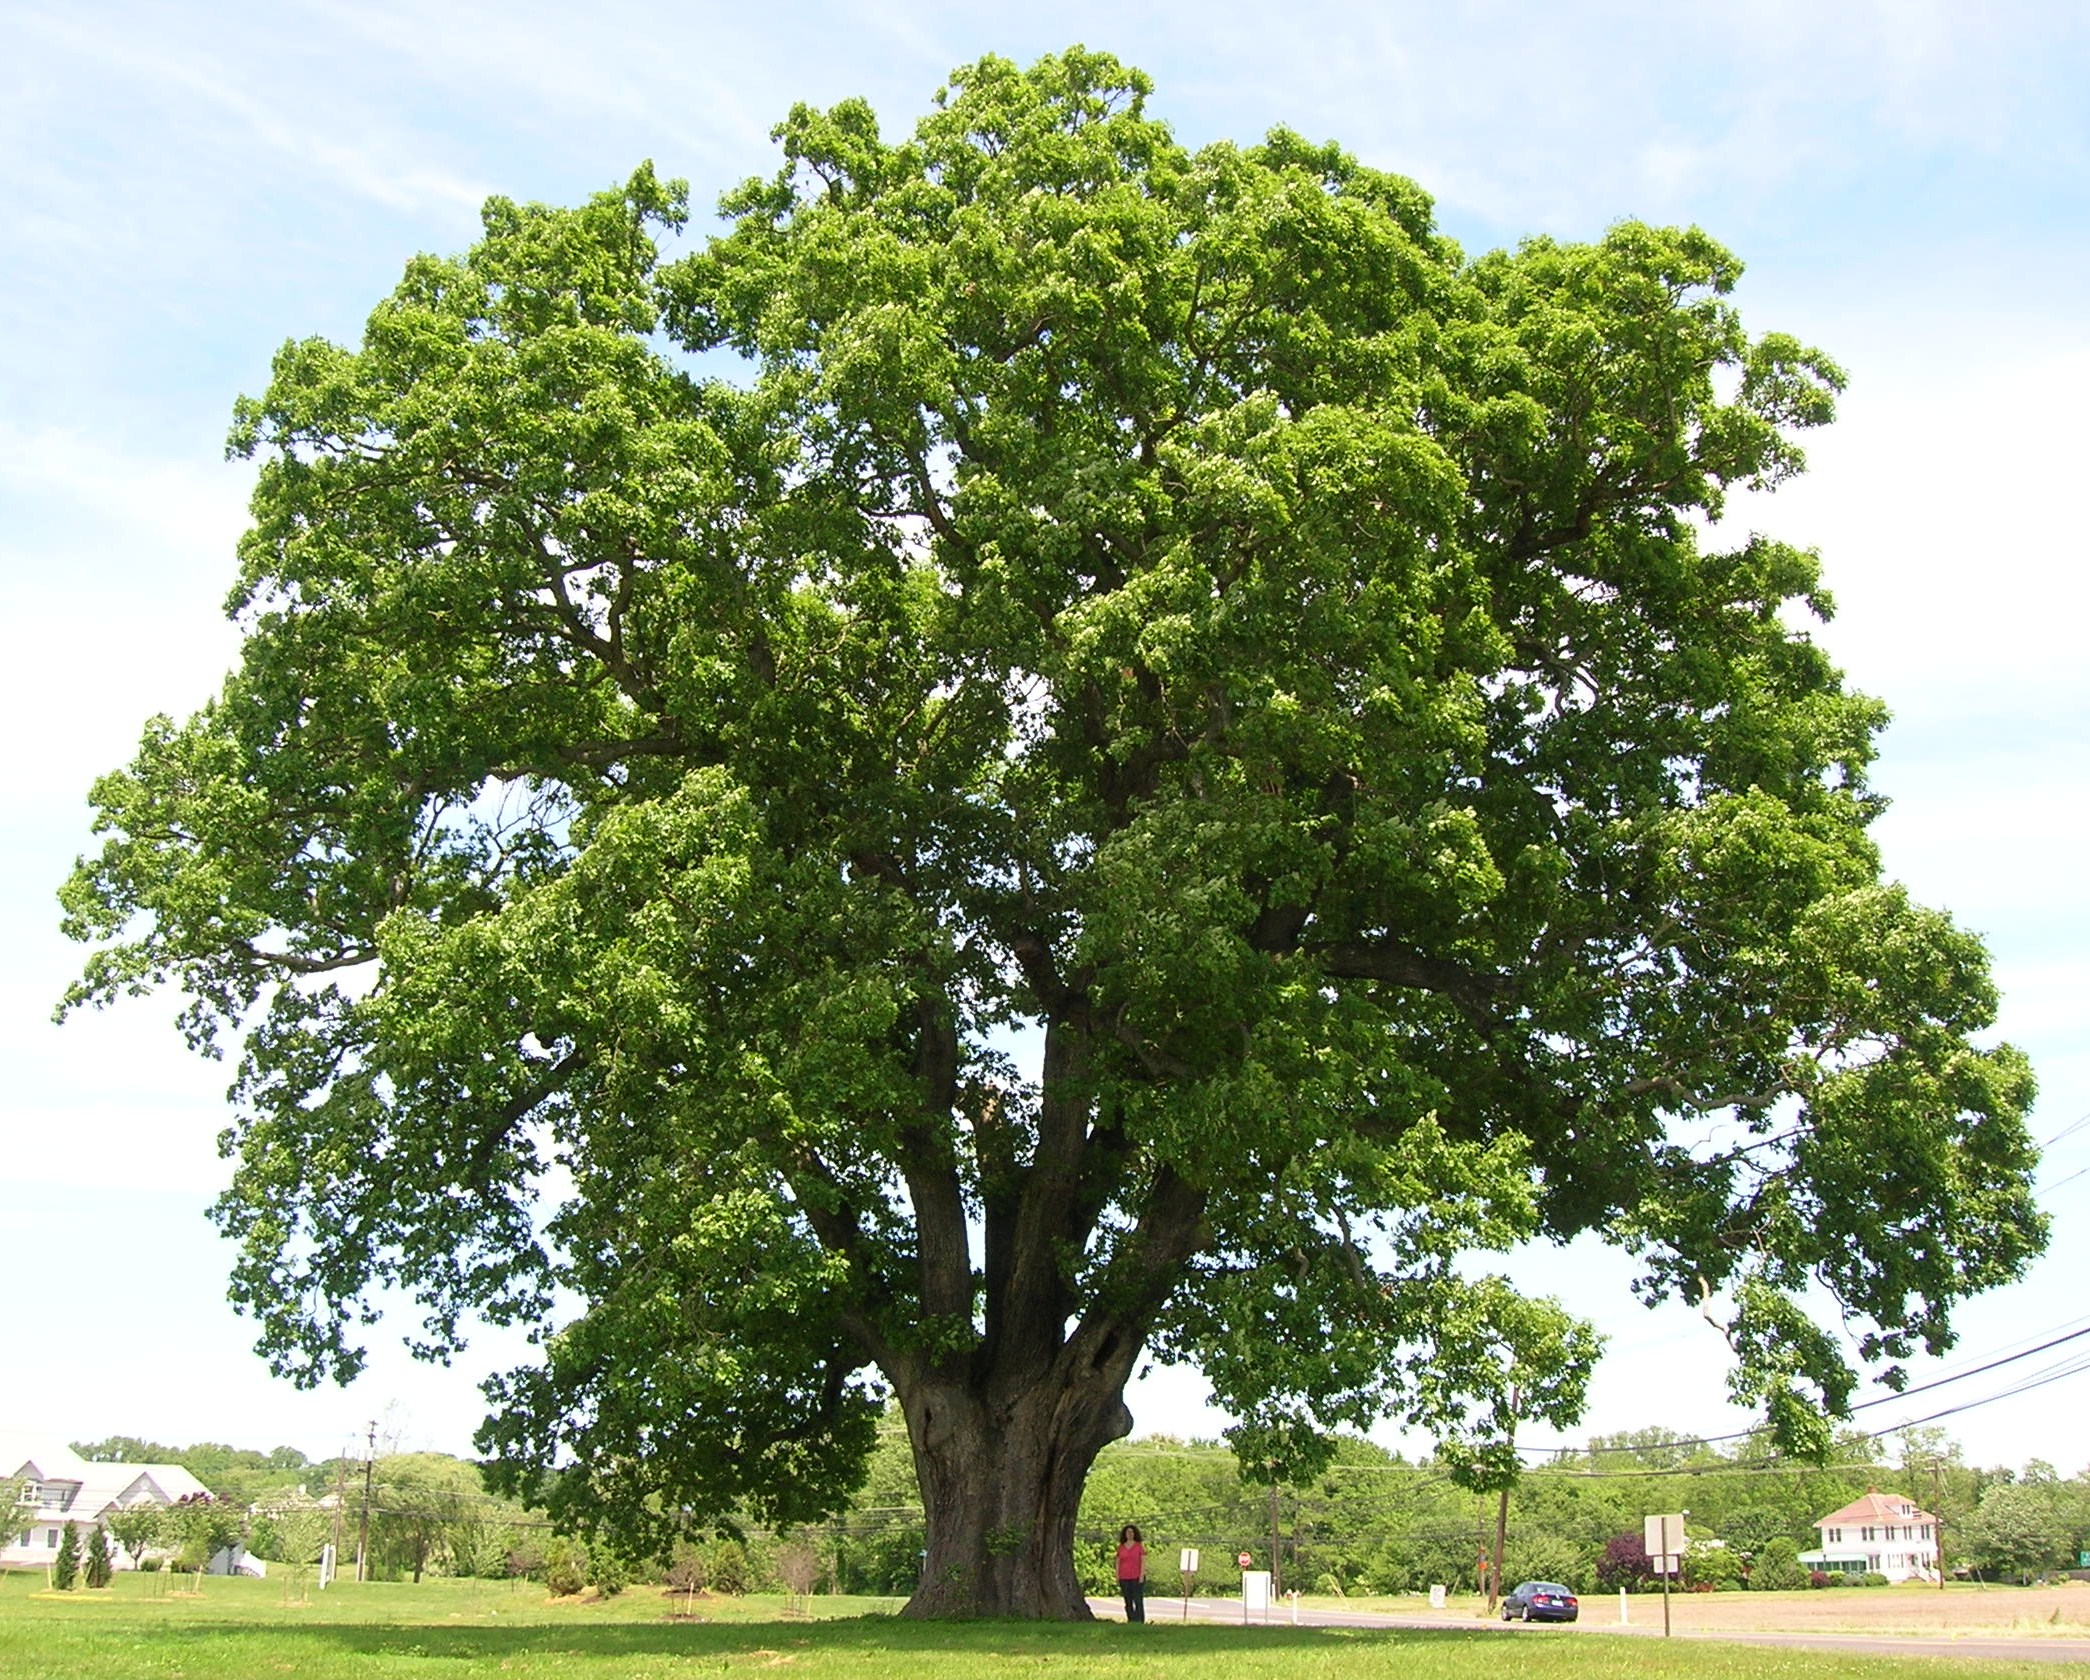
(1876, 1507)
(23, 1453)
(100, 1485)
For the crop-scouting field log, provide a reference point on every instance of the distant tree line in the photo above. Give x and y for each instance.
(1374, 1522)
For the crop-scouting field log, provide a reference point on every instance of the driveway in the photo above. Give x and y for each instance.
(1996, 1647)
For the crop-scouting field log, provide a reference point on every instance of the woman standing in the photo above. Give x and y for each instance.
(1132, 1573)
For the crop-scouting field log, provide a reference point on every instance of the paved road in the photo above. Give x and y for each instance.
(1995, 1647)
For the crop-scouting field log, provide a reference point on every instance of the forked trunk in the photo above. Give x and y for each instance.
(1001, 1481)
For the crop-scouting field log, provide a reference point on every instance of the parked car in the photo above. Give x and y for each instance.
(1541, 1601)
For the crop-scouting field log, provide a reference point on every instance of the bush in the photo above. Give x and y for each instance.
(526, 1558)
(1547, 1557)
(729, 1570)
(1711, 1567)
(149, 1566)
(1873, 1578)
(608, 1573)
(1327, 1586)
(1624, 1563)
(565, 1568)
(1778, 1568)
(1837, 1578)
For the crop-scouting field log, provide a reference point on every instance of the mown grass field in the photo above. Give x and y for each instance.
(461, 1630)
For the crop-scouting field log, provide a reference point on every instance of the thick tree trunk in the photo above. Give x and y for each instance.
(1001, 1480)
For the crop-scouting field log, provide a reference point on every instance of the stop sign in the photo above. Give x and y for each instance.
(1246, 1560)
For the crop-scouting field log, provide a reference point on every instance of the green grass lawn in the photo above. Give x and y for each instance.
(460, 1630)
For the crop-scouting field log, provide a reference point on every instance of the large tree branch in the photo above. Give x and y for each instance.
(1398, 964)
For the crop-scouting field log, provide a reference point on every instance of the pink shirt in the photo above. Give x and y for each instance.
(1132, 1561)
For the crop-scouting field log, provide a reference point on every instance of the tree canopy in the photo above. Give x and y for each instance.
(1050, 749)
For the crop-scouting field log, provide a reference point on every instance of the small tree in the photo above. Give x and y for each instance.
(18, 1507)
(687, 1574)
(135, 1530)
(297, 1533)
(100, 1565)
(798, 1567)
(67, 1567)
(199, 1528)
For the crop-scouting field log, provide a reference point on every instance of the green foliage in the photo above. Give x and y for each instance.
(1536, 1555)
(2018, 1529)
(291, 1534)
(565, 1567)
(728, 1567)
(1710, 1566)
(1777, 1567)
(689, 1569)
(1170, 600)
(608, 1573)
(99, 1565)
(65, 1568)
(238, 1475)
(198, 1528)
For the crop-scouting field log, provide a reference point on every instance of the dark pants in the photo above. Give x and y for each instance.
(1135, 1600)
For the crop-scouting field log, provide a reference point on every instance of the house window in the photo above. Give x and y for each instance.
(50, 1537)
(1868, 1533)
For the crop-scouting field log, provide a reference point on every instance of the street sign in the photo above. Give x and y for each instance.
(1244, 1560)
(1187, 1563)
(1665, 1543)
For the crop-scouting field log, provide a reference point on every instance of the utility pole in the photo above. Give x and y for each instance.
(1937, 1512)
(363, 1533)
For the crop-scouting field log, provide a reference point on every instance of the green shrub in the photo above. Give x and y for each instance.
(1873, 1578)
(565, 1567)
(1327, 1586)
(66, 1569)
(100, 1565)
(729, 1568)
(608, 1573)
(1777, 1567)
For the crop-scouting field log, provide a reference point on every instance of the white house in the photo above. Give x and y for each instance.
(65, 1489)
(1880, 1534)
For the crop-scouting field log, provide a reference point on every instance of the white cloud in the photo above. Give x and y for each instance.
(166, 69)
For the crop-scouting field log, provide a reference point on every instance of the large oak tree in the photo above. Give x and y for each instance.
(1053, 750)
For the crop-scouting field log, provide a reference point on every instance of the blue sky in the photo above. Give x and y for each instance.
(183, 187)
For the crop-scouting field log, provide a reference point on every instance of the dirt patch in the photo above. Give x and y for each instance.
(1958, 1611)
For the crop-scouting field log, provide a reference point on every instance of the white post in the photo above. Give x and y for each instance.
(1625, 1618)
